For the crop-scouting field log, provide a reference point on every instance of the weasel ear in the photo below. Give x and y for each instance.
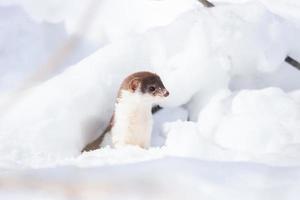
(134, 84)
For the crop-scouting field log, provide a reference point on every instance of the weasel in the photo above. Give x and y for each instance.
(131, 123)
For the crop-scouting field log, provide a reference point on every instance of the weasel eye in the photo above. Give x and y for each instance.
(151, 89)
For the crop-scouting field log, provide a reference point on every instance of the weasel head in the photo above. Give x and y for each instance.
(147, 84)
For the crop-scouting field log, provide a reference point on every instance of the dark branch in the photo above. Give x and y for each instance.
(206, 3)
(292, 62)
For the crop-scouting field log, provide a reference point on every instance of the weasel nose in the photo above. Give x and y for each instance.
(166, 93)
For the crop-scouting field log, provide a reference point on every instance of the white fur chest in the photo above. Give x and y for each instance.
(133, 120)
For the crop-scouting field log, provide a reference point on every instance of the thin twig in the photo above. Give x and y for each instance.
(207, 3)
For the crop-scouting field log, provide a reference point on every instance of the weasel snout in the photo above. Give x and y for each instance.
(163, 92)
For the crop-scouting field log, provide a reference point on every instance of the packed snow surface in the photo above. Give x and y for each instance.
(233, 100)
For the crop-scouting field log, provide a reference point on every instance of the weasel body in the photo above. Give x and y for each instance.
(131, 123)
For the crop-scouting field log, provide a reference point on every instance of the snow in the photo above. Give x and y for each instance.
(18, 32)
(156, 180)
(229, 129)
(248, 125)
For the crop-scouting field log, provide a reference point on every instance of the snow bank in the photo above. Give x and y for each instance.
(169, 178)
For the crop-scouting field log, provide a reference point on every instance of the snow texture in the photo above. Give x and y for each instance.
(233, 100)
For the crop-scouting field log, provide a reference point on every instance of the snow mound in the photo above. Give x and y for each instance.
(248, 125)
(257, 123)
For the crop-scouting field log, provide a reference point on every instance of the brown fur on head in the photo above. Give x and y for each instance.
(146, 82)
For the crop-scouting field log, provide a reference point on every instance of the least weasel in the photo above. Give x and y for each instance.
(131, 123)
